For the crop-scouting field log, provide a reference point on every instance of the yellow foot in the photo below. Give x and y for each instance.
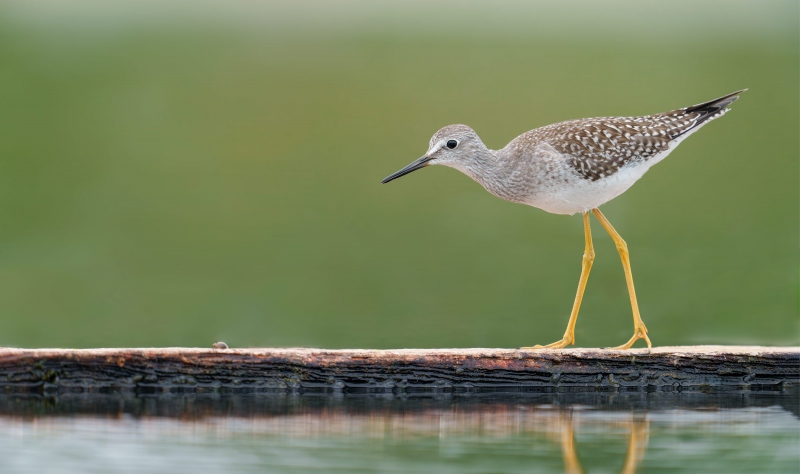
(641, 333)
(555, 345)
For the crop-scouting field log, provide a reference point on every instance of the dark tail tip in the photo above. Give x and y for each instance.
(713, 106)
(711, 109)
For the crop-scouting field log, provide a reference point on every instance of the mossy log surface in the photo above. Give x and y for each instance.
(688, 368)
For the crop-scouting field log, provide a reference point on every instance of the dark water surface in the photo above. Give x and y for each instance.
(564, 432)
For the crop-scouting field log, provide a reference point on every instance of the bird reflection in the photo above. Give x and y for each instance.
(571, 463)
(638, 426)
(637, 442)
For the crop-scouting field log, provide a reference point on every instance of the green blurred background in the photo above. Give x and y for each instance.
(177, 173)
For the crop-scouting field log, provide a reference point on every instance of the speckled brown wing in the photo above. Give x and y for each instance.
(599, 147)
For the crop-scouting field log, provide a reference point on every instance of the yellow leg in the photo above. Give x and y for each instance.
(586, 266)
(639, 329)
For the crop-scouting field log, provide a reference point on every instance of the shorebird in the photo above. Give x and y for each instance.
(573, 167)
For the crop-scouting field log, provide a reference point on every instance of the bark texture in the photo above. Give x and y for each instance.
(692, 368)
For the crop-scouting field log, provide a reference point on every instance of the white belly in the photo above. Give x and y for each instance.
(575, 194)
(581, 195)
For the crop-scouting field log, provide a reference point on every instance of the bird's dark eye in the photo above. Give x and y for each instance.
(452, 144)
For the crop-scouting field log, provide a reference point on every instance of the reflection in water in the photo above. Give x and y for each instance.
(571, 463)
(571, 433)
(640, 434)
(639, 427)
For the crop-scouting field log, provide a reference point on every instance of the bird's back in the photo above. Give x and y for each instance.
(599, 147)
(577, 165)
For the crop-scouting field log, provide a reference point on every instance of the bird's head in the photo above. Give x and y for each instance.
(453, 145)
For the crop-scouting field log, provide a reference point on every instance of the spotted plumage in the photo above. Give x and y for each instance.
(572, 166)
(599, 147)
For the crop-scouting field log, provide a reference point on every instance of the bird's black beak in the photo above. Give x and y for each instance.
(414, 166)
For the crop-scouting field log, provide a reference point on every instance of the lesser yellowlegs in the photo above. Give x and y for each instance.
(572, 167)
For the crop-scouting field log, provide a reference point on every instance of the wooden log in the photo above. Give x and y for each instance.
(410, 371)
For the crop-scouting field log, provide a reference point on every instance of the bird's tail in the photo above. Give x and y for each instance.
(713, 107)
(702, 113)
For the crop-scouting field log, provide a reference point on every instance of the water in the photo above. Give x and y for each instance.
(596, 432)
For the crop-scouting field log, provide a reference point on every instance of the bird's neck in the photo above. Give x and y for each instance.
(493, 172)
(481, 165)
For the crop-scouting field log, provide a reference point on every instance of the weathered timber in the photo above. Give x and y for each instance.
(694, 368)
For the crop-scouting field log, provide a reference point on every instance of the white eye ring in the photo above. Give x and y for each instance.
(451, 144)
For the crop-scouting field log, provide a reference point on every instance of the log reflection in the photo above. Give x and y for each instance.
(565, 432)
(393, 420)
